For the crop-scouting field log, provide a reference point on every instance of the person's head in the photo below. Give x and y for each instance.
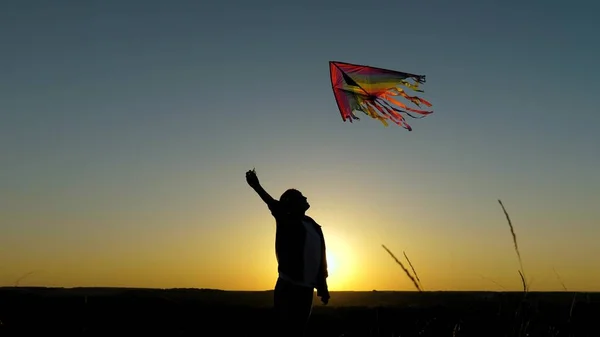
(294, 201)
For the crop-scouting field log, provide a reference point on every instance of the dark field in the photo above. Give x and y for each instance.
(194, 312)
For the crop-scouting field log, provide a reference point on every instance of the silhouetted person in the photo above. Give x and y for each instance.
(301, 257)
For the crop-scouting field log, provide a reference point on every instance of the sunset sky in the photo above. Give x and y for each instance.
(126, 128)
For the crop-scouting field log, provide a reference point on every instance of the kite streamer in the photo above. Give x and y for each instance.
(373, 91)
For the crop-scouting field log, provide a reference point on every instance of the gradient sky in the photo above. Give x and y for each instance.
(126, 128)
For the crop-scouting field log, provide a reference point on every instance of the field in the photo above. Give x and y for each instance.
(198, 312)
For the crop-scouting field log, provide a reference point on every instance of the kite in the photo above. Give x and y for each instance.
(373, 91)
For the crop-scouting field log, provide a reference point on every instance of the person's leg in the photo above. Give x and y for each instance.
(303, 308)
(281, 303)
(293, 306)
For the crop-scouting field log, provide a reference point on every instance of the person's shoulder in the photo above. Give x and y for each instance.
(274, 205)
(308, 218)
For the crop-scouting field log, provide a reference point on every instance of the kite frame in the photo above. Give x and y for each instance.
(421, 79)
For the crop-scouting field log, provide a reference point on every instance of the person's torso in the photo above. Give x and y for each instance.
(299, 252)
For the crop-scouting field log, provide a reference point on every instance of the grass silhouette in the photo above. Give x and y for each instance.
(523, 314)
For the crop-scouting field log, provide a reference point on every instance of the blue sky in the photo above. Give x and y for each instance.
(137, 119)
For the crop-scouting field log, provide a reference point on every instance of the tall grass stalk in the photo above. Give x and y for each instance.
(412, 278)
(514, 237)
(413, 270)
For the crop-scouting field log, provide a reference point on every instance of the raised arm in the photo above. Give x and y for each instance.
(252, 180)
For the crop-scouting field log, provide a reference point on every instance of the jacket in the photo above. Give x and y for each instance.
(289, 245)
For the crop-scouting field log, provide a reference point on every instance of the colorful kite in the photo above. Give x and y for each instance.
(372, 90)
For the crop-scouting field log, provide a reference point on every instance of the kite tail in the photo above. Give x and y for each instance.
(383, 113)
(414, 99)
(387, 98)
(418, 80)
(351, 116)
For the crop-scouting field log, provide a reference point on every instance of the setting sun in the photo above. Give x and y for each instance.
(341, 264)
(332, 262)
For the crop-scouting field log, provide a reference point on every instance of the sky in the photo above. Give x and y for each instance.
(126, 129)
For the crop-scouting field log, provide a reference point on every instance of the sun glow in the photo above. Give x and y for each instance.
(332, 262)
(341, 264)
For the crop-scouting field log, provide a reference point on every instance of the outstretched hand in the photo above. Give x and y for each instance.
(252, 179)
